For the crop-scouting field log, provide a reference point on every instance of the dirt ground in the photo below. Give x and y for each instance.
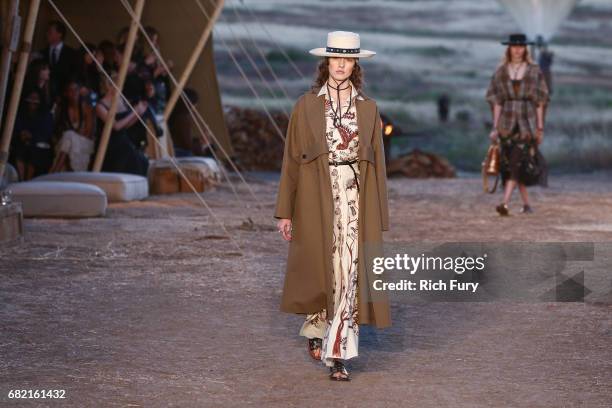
(154, 306)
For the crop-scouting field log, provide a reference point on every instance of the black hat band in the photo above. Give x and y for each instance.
(343, 50)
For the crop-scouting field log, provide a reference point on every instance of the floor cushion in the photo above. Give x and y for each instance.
(118, 186)
(59, 199)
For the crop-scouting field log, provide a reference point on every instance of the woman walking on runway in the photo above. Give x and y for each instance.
(332, 206)
(518, 96)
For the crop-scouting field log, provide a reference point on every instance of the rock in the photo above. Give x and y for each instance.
(257, 144)
(418, 164)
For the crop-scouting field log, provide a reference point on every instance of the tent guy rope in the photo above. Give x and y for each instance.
(129, 105)
(196, 116)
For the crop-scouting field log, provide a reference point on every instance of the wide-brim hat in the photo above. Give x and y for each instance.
(517, 39)
(342, 44)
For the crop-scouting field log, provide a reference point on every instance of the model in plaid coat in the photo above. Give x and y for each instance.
(518, 96)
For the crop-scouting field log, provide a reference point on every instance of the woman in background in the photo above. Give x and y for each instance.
(31, 153)
(121, 155)
(75, 123)
(107, 50)
(88, 74)
(518, 96)
(39, 77)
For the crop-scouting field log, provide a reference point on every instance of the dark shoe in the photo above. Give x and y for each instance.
(526, 209)
(339, 372)
(315, 347)
(502, 209)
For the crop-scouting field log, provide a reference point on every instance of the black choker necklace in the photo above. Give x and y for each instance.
(337, 113)
(338, 87)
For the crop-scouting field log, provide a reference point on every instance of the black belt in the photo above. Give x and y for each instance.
(347, 163)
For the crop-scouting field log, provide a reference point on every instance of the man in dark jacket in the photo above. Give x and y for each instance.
(62, 58)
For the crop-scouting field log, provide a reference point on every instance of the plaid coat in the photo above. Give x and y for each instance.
(518, 108)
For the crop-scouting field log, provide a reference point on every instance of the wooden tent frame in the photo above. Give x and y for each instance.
(193, 59)
(22, 64)
(112, 111)
(11, 35)
(26, 46)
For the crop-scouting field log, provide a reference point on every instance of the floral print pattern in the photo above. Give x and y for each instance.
(340, 331)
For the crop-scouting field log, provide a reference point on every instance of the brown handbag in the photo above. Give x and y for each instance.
(490, 168)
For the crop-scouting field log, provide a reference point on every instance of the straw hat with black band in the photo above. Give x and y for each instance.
(342, 44)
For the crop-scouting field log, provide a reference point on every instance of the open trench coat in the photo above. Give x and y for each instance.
(305, 197)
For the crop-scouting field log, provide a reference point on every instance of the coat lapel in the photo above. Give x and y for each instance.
(315, 112)
(366, 111)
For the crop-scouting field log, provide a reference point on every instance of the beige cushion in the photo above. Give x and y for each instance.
(118, 186)
(10, 176)
(59, 199)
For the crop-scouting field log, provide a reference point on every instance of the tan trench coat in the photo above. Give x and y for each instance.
(305, 197)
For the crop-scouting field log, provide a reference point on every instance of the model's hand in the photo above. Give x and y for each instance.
(539, 136)
(494, 135)
(284, 227)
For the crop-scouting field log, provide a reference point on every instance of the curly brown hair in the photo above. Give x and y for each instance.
(323, 73)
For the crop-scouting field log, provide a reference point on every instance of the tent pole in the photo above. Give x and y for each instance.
(127, 56)
(246, 79)
(195, 55)
(22, 64)
(153, 150)
(11, 29)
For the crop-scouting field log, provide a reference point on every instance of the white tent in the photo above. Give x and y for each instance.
(539, 17)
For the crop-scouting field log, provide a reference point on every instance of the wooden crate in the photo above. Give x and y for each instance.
(199, 177)
(163, 180)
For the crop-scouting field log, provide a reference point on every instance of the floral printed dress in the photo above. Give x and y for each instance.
(340, 331)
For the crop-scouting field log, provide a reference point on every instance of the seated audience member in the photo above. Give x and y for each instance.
(121, 155)
(75, 124)
(60, 57)
(138, 44)
(133, 88)
(152, 69)
(31, 151)
(38, 76)
(107, 50)
(152, 98)
(187, 140)
(88, 73)
(138, 133)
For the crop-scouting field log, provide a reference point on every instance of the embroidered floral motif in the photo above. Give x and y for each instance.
(341, 335)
